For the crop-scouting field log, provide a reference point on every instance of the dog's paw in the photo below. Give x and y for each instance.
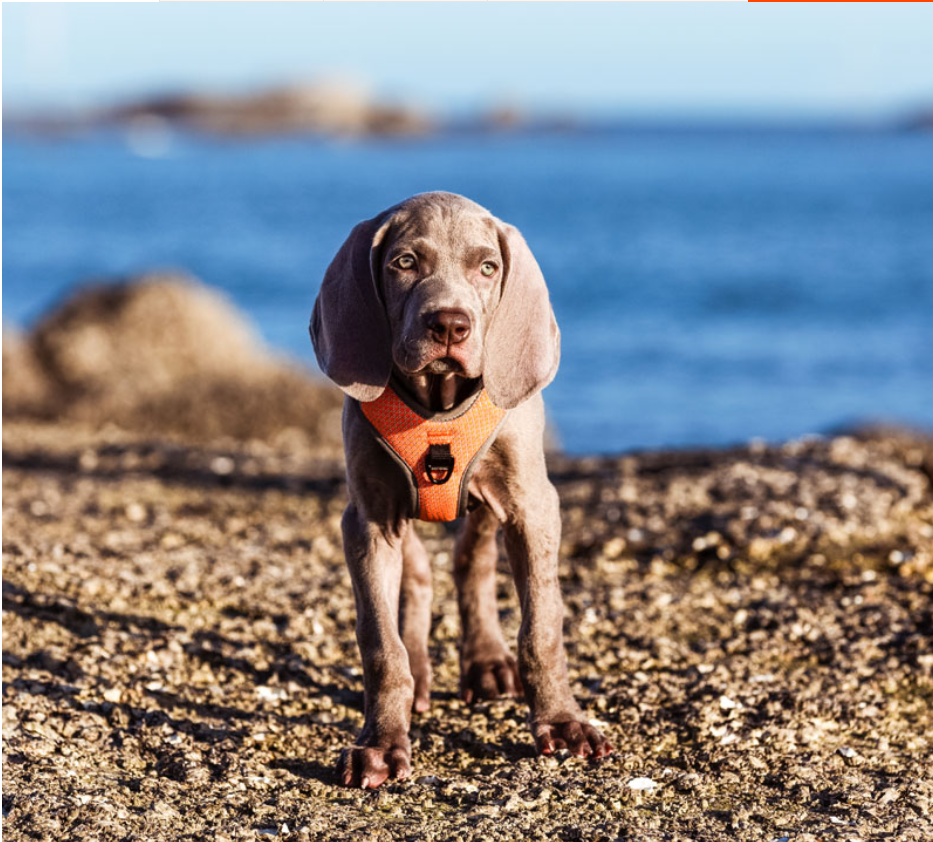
(574, 734)
(490, 678)
(371, 766)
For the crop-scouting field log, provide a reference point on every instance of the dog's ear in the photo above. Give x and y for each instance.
(523, 342)
(349, 328)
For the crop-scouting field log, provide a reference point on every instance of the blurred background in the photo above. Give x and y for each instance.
(732, 205)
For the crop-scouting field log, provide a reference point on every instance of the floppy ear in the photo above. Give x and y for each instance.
(349, 328)
(523, 342)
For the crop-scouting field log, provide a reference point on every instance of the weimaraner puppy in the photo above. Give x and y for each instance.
(440, 298)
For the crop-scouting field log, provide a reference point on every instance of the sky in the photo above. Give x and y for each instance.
(642, 59)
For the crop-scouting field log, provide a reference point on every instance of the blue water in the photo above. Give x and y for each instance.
(711, 286)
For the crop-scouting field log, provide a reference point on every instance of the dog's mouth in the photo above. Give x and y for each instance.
(440, 385)
(442, 366)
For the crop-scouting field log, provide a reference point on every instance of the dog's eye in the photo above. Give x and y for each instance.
(488, 269)
(406, 261)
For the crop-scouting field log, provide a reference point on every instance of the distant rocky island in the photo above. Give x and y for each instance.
(327, 108)
(335, 109)
(918, 121)
(318, 109)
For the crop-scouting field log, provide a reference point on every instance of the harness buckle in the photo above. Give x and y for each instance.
(439, 463)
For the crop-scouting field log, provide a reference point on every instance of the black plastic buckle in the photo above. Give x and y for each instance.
(439, 460)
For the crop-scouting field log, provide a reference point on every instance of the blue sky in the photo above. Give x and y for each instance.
(649, 59)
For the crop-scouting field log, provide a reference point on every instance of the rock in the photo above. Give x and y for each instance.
(164, 354)
(26, 387)
(142, 336)
(920, 121)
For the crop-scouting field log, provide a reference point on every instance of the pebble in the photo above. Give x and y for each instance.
(641, 784)
(272, 694)
(223, 466)
(136, 513)
(889, 795)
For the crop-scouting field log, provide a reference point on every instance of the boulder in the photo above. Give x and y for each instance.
(165, 354)
(26, 387)
(139, 337)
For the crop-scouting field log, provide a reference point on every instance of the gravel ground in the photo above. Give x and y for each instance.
(752, 628)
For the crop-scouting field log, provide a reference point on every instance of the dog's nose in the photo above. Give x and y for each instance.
(449, 327)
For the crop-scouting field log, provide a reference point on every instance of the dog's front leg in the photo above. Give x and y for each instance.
(383, 749)
(532, 539)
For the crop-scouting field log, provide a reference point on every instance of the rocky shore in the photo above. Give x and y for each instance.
(753, 627)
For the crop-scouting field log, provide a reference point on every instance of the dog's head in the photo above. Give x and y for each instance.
(441, 290)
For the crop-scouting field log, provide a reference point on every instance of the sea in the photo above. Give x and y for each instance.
(712, 285)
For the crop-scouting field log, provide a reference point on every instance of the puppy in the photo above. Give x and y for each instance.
(434, 319)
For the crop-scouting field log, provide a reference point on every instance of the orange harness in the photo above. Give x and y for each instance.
(437, 453)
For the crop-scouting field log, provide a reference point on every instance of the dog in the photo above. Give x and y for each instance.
(429, 307)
